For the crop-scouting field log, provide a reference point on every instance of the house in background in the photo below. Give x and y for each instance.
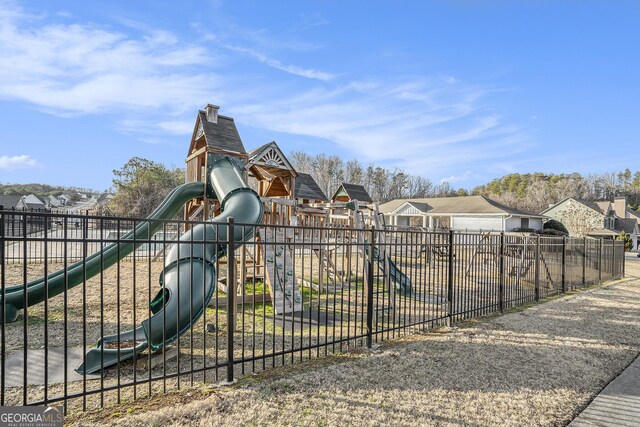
(599, 219)
(465, 213)
(52, 202)
(64, 199)
(9, 202)
(31, 202)
(622, 211)
(307, 190)
(350, 192)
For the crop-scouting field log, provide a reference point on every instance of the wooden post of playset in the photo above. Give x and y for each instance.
(353, 224)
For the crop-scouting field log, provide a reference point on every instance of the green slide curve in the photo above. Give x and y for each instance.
(188, 278)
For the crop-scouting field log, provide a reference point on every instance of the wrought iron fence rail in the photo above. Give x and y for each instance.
(287, 295)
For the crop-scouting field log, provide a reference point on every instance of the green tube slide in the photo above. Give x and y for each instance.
(189, 276)
(56, 283)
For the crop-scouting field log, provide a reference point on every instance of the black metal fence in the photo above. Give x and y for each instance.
(287, 295)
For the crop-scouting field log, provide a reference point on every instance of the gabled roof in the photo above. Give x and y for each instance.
(421, 206)
(602, 207)
(270, 155)
(353, 192)
(52, 200)
(32, 202)
(223, 134)
(308, 188)
(456, 205)
(586, 203)
(9, 202)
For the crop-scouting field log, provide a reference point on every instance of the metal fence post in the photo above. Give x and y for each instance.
(2, 312)
(600, 247)
(537, 271)
(584, 261)
(501, 279)
(624, 259)
(613, 258)
(564, 264)
(231, 297)
(370, 288)
(450, 278)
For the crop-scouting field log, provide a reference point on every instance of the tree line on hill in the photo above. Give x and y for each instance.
(141, 184)
(381, 184)
(41, 190)
(536, 191)
(532, 192)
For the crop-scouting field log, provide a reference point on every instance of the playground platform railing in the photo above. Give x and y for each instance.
(287, 295)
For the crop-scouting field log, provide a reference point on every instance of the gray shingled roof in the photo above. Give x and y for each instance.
(355, 192)
(456, 205)
(223, 134)
(308, 188)
(422, 207)
(628, 225)
(9, 202)
(256, 151)
(600, 206)
(32, 202)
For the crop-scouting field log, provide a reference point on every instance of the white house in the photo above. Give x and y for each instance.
(465, 213)
(52, 201)
(31, 202)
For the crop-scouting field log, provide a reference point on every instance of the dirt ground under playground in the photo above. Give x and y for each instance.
(537, 366)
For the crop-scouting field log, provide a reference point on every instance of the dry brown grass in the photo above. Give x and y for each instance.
(537, 366)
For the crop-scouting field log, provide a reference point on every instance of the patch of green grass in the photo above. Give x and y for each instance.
(257, 287)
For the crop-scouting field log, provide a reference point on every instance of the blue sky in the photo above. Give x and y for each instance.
(463, 91)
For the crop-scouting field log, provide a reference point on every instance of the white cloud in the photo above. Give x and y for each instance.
(456, 178)
(425, 126)
(85, 68)
(153, 82)
(291, 69)
(23, 161)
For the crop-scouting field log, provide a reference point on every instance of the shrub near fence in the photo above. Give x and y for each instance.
(354, 288)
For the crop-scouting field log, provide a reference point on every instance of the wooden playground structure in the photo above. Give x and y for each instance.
(305, 223)
(323, 222)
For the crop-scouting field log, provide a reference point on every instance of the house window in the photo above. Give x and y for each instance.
(609, 223)
(524, 223)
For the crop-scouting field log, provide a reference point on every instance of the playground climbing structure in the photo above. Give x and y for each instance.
(279, 272)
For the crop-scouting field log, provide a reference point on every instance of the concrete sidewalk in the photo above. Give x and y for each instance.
(618, 404)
